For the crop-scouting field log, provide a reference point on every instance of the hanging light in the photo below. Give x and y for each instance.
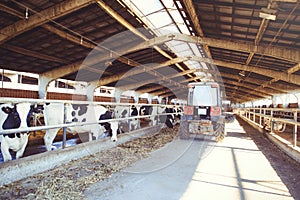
(26, 13)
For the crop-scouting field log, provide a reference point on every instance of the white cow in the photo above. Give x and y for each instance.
(14, 116)
(54, 115)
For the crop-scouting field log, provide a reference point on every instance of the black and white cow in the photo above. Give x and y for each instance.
(14, 116)
(175, 113)
(170, 118)
(124, 112)
(54, 115)
(134, 123)
(178, 112)
(152, 110)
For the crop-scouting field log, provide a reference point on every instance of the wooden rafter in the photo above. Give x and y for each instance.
(42, 17)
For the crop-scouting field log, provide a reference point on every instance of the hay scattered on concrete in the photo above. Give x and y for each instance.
(70, 180)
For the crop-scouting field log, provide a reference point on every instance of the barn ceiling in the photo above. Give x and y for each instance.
(252, 47)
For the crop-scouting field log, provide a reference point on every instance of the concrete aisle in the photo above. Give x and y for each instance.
(197, 169)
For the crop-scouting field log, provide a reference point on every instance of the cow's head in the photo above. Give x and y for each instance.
(18, 115)
(146, 110)
(134, 111)
(114, 130)
(10, 117)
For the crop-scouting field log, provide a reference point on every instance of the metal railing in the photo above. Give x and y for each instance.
(74, 124)
(273, 118)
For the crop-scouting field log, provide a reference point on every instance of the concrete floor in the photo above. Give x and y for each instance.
(197, 169)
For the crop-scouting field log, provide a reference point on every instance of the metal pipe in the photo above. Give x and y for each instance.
(295, 129)
(64, 142)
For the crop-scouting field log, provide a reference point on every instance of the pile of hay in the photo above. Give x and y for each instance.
(70, 180)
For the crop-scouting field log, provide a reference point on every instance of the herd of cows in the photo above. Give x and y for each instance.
(19, 115)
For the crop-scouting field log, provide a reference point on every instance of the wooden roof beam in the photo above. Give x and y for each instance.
(294, 69)
(196, 22)
(289, 54)
(283, 53)
(42, 17)
(138, 70)
(250, 88)
(291, 78)
(238, 98)
(11, 11)
(278, 88)
(33, 53)
(253, 93)
(126, 24)
(155, 80)
(289, 72)
(148, 90)
(62, 71)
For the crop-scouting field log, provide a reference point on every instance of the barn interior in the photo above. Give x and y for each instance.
(250, 47)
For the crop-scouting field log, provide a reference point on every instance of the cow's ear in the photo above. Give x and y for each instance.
(7, 110)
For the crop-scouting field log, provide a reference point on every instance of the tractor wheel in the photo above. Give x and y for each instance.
(184, 130)
(219, 131)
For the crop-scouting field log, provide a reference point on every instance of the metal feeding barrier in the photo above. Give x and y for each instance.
(273, 119)
(74, 124)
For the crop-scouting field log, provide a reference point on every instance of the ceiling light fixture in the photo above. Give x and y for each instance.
(242, 73)
(267, 13)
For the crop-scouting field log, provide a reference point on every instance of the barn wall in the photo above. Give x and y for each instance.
(143, 100)
(65, 96)
(104, 99)
(126, 100)
(15, 93)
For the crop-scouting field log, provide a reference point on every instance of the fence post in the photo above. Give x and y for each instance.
(249, 113)
(260, 116)
(129, 122)
(271, 121)
(295, 130)
(64, 142)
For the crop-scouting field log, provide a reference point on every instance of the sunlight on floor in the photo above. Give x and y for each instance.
(236, 169)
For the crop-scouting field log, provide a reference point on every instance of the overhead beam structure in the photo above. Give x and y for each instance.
(42, 17)
(291, 78)
(288, 54)
(74, 67)
(249, 87)
(159, 79)
(123, 22)
(254, 94)
(277, 88)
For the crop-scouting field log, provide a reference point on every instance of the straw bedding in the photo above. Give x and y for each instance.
(70, 180)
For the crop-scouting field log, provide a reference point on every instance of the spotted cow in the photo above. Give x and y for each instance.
(14, 116)
(175, 114)
(124, 112)
(54, 115)
(159, 111)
